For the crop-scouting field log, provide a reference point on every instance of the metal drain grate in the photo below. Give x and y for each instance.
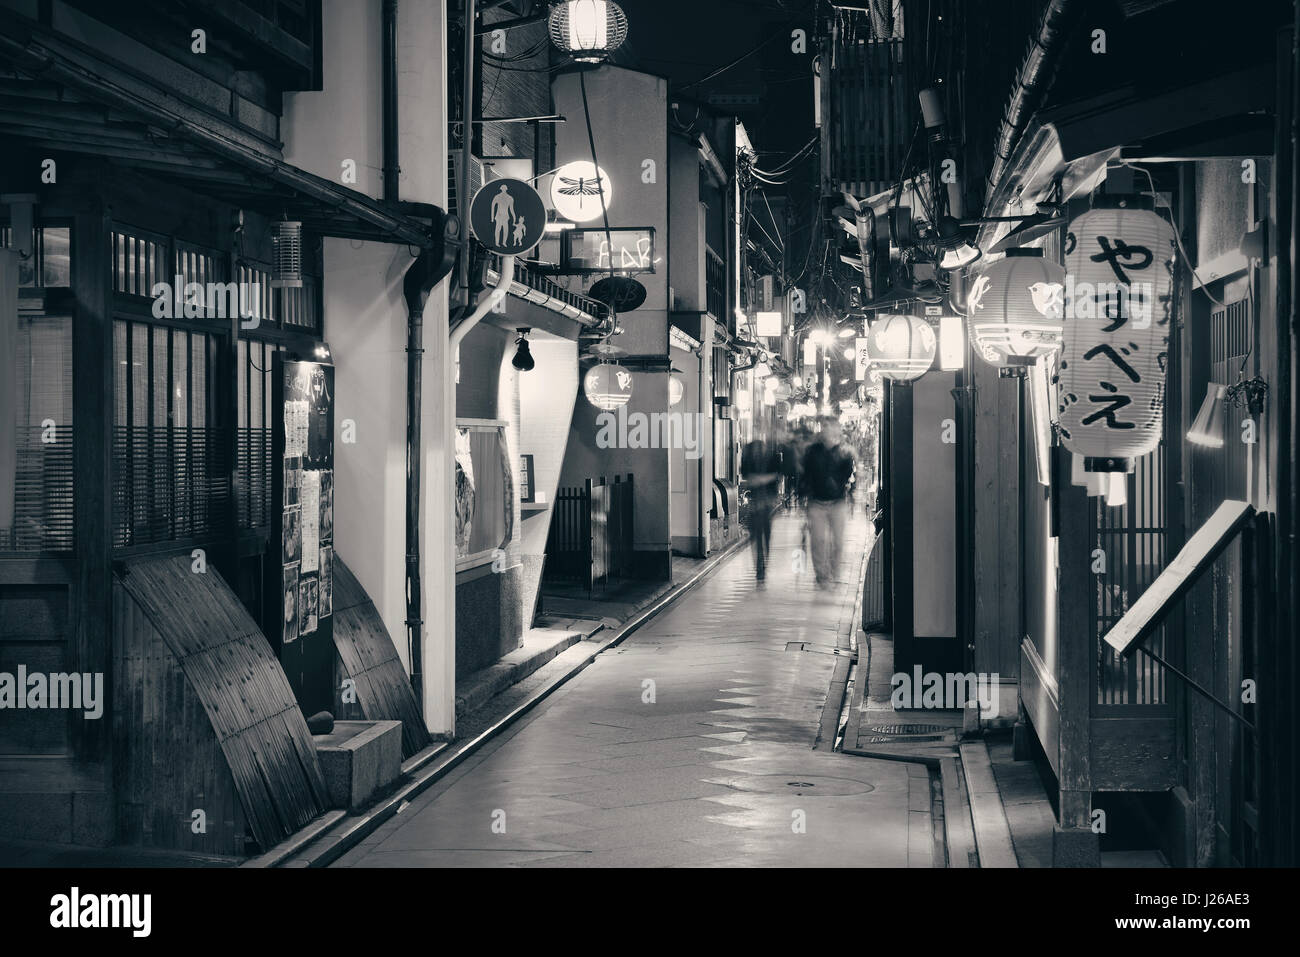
(908, 729)
(889, 738)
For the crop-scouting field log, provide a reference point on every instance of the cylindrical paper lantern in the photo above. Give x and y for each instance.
(901, 347)
(607, 386)
(1118, 302)
(1016, 308)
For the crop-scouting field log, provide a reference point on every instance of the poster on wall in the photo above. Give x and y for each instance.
(326, 506)
(290, 603)
(326, 581)
(309, 496)
(308, 596)
(300, 624)
(290, 536)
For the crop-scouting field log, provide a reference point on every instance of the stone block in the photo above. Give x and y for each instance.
(361, 761)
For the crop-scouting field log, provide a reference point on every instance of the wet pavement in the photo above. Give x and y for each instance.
(690, 744)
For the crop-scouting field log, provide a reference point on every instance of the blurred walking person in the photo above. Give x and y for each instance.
(760, 469)
(827, 472)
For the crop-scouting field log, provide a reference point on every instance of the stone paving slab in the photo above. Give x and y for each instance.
(715, 767)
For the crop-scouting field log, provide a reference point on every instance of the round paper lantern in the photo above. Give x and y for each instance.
(1016, 308)
(579, 189)
(607, 386)
(1118, 302)
(901, 347)
(675, 389)
(587, 30)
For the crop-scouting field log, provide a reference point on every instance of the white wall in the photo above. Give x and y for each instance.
(366, 322)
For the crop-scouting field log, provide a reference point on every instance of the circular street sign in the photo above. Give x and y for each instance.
(508, 217)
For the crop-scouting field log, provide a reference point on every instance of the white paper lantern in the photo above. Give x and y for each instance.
(675, 389)
(1016, 308)
(901, 347)
(1118, 302)
(607, 386)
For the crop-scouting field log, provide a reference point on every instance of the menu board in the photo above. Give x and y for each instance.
(299, 624)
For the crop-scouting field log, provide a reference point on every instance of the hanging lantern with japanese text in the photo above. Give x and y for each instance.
(607, 386)
(1016, 308)
(1118, 302)
(901, 347)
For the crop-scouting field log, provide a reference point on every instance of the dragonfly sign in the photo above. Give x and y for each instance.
(580, 191)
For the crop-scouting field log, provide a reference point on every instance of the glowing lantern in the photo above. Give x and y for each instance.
(901, 347)
(1119, 267)
(587, 30)
(1017, 308)
(675, 389)
(607, 386)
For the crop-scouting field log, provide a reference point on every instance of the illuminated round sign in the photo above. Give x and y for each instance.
(676, 389)
(607, 386)
(580, 191)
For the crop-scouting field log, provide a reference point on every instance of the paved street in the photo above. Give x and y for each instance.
(691, 744)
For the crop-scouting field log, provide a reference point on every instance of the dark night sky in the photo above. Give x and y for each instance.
(686, 40)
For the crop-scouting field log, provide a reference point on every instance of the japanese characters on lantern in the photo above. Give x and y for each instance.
(1015, 308)
(1118, 302)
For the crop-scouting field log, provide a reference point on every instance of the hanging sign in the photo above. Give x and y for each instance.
(581, 192)
(596, 250)
(1118, 302)
(861, 358)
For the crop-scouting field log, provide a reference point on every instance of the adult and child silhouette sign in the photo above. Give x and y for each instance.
(508, 216)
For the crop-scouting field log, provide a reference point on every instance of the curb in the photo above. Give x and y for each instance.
(327, 844)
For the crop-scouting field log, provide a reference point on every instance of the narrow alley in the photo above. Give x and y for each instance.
(690, 744)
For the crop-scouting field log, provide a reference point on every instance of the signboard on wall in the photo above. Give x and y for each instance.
(589, 250)
(299, 583)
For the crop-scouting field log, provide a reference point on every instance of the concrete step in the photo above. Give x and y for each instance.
(540, 646)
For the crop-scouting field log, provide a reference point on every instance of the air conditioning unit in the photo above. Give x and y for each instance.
(453, 179)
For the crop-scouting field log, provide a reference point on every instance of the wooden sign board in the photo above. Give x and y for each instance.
(1182, 573)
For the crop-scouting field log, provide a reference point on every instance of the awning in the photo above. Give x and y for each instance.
(67, 98)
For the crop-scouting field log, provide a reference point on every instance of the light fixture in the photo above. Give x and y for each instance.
(762, 370)
(587, 30)
(607, 386)
(901, 347)
(580, 191)
(848, 332)
(952, 343)
(286, 270)
(1016, 308)
(523, 360)
(1207, 429)
(955, 250)
(850, 352)
(676, 388)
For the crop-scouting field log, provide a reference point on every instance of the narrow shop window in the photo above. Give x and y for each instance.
(36, 435)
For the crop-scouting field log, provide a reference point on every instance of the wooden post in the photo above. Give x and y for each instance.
(92, 421)
(1073, 842)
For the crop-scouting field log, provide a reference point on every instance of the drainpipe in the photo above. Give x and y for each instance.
(429, 269)
(499, 291)
(466, 135)
(1033, 80)
(391, 168)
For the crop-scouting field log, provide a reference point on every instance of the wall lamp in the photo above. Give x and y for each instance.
(523, 360)
(1207, 429)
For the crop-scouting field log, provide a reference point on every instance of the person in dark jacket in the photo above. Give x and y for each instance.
(760, 469)
(827, 474)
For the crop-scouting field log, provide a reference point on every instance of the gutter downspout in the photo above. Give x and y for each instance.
(389, 56)
(1033, 80)
(467, 138)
